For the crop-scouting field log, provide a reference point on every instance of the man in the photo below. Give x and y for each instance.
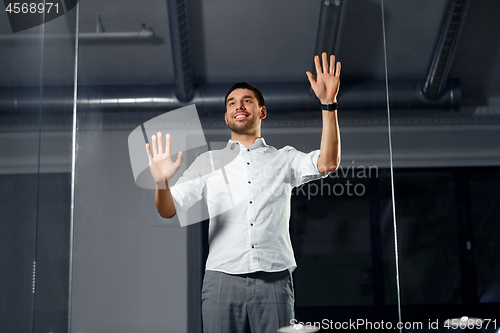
(248, 271)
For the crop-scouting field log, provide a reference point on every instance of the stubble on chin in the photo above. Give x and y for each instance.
(243, 129)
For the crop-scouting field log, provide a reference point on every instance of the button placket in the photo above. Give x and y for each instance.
(250, 206)
(250, 190)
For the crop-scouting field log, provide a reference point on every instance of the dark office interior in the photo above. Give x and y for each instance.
(406, 230)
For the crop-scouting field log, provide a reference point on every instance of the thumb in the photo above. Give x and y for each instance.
(148, 151)
(312, 81)
(179, 160)
(310, 77)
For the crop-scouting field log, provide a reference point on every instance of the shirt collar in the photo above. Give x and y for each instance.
(260, 142)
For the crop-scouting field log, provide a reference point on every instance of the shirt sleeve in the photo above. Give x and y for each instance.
(303, 166)
(188, 190)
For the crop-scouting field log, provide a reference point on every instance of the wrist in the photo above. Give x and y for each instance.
(162, 184)
(328, 100)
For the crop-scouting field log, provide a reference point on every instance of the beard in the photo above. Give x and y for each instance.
(241, 127)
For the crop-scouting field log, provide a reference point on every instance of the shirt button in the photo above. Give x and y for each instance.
(250, 202)
(253, 246)
(251, 224)
(248, 149)
(249, 182)
(248, 163)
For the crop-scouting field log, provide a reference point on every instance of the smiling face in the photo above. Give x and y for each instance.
(243, 113)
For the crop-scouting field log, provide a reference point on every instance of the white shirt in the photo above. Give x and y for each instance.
(248, 201)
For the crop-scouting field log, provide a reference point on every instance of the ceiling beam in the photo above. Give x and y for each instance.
(328, 26)
(445, 48)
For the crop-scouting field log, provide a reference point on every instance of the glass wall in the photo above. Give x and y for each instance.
(446, 165)
(82, 247)
(134, 271)
(37, 82)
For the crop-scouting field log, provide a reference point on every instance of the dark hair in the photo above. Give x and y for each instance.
(244, 85)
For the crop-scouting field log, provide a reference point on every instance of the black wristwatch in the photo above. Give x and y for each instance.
(330, 107)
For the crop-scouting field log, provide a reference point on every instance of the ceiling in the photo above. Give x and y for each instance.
(274, 41)
(255, 41)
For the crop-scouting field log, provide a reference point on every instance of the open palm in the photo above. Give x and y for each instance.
(161, 165)
(327, 82)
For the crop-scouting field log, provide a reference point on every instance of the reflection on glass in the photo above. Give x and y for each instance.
(446, 162)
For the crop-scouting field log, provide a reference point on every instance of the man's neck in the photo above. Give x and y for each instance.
(245, 139)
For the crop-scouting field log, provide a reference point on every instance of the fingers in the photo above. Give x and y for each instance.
(167, 143)
(158, 149)
(332, 64)
(317, 65)
(325, 62)
(160, 143)
(155, 146)
(324, 67)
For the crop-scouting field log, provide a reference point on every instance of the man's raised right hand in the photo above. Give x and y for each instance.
(160, 162)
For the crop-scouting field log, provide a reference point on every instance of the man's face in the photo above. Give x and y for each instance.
(243, 113)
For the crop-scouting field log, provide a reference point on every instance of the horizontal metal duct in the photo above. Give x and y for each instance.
(279, 97)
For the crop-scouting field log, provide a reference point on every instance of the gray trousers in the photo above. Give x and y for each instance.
(266, 299)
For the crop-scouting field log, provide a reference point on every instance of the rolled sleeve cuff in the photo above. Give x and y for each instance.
(304, 166)
(313, 173)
